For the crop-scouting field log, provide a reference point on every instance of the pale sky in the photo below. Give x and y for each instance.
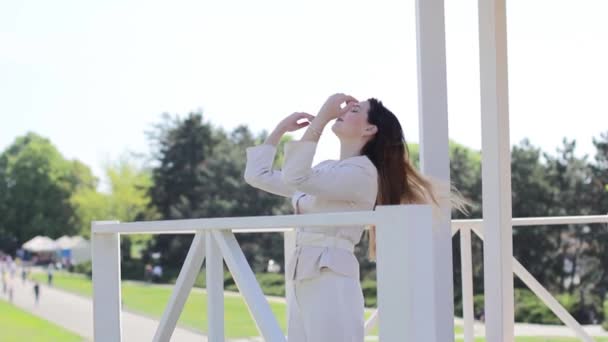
(94, 75)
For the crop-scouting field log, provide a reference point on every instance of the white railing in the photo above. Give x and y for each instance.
(467, 226)
(404, 270)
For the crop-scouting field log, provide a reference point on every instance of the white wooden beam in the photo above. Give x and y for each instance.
(406, 274)
(188, 226)
(248, 286)
(214, 267)
(107, 320)
(181, 291)
(434, 143)
(371, 322)
(289, 246)
(466, 262)
(496, 171)
(547, 298)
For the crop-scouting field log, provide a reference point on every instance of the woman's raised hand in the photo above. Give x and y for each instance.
(290, 123)
(332, 108)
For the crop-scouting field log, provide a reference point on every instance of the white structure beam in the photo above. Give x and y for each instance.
(181, 291)
(434, 144)
(406, 301)
(214, 268)
(496, 171)
(107, 310)
(248, 286)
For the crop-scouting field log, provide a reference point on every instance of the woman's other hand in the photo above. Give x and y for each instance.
(290, 123)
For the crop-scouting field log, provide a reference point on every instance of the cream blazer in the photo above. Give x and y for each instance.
(330, 186)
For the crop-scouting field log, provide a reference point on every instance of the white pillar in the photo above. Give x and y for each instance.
(466, 262)
(496, 171)
(107, 322)
(214, 266)
(434, 148)
(289, 246)
(406, 272)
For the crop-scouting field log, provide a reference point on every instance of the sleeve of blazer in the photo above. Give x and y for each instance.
(259, 172)
(352, 179)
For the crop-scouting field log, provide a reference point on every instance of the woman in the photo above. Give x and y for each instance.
(326, 302)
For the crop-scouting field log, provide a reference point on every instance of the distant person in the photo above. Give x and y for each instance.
(9, 289)
(23, 274)
(49, 274)
(157, 272)
(12, 267)
(4, 281)
(36, 292)
(148, 273)
(273, 267)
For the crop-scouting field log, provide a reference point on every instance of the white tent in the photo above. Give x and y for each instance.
(41, 244)
(64, 242)
(77, 248)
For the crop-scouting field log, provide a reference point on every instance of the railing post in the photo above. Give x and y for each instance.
(107, 322)
(466, 271)
(183, 285)
(215, 289)
(248, 286)
(546, 297)
(289, 245)
(406, 275)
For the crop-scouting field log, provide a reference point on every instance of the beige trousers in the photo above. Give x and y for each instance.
(327, 308)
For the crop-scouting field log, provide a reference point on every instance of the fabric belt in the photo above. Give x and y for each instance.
(323, 240)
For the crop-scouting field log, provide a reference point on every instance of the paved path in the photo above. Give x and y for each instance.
(75, 313)
(545, 330)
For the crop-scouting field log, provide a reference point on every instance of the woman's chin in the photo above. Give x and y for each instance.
(335, 129)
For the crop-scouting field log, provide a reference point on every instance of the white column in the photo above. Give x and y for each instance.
(406, 272)
(289, 246)
(214, 266)
(466, 262)
(434, 148)
(107, 322)
(496, 171)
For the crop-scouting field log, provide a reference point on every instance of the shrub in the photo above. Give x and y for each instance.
(369, 292)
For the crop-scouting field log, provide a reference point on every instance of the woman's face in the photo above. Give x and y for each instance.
(353, 124)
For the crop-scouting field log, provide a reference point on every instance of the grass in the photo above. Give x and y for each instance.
(151, 300)
(17, 325)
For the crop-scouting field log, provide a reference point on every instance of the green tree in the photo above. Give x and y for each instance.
(127, 199)
(536, 248)
(36, 185)
(199, 173)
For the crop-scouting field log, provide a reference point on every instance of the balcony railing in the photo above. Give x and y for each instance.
(404, 261)
(404, 270)
(467, 226)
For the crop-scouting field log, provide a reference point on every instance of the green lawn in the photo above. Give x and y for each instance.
(17, 325)
(151, 300)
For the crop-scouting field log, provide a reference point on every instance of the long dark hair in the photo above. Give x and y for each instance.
(398, 180)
